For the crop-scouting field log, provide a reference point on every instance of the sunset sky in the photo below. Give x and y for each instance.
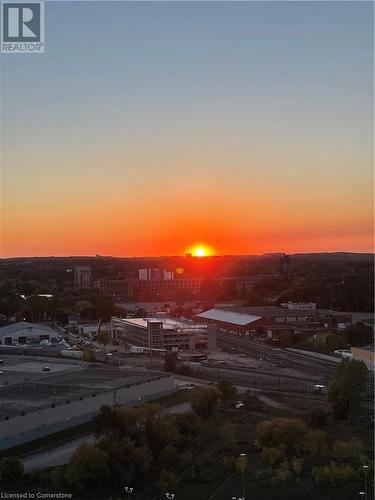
(147, 128)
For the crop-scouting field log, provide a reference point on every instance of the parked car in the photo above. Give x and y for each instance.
(319, 389)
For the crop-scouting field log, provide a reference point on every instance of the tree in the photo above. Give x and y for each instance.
(121, 458)
(229, 436)
(88, 468)
(335, 341)
(347, 388)
(142, 460)
(283, 474)
(189, 426)
(288, 432)
(11, 471)
(358, 334)
(297, 464)
(154, 428)
(170, 361)
(166, 481)
(104, 338)
(333, 475)
(345, 450)
(272, 456)
(205, 402)
(286, 339)
(227, 391)
(318, 417)
(169, 456)
(104, 308)
(314, 442)
(88, 355)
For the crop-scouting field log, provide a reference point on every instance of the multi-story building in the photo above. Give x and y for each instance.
(163, 333)
(155, 274)
(166, 289)
(241, 283)
(115, 287)
(82, 277)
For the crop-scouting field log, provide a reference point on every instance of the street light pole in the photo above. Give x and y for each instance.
(128, 490)
(243, 464)
(365, 470)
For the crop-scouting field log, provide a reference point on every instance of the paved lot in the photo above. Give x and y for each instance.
(25, 387)
(37, 367)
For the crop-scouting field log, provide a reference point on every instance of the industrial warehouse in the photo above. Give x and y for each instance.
(24, 333)
(271, 320)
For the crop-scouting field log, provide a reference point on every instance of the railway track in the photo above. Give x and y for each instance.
(274, 355)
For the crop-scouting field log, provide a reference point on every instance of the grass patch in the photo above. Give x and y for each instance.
(48, 441)
(176, 398)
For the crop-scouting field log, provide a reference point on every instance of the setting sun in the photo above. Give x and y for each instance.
(201, 251)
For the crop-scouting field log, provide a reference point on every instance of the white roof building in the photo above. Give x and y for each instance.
(24, 332)
(230, 317)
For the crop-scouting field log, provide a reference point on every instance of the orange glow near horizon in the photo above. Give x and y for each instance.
(201, 251)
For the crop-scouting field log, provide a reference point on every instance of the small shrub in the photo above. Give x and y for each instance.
(334, 475)
(283, 474)
(166, 481)
(313, 442)
(297, 464)
(345, 450)
(318, 417)
(272, 456)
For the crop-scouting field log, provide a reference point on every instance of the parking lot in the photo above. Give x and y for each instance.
(25, 386)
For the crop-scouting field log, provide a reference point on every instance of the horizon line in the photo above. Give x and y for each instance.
(98, 256)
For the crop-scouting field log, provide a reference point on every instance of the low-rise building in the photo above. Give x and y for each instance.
(260, 320)
(299, 306)
(24, 333)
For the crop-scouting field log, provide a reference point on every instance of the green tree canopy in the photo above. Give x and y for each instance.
(358, 334)
(88, 468)
(206, 401)
(347, 388)
(227, 391)
(286, 432)
(11, 470)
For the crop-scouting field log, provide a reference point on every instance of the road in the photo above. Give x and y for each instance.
(60, 454)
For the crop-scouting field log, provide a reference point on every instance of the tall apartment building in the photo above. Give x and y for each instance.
(82, 277)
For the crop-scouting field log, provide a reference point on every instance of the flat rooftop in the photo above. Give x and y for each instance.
(226, 316)
(168, 323)
(24, 387)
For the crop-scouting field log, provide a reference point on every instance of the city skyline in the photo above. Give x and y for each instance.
(243, 127)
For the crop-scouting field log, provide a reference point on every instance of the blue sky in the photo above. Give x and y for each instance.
(230, 98)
